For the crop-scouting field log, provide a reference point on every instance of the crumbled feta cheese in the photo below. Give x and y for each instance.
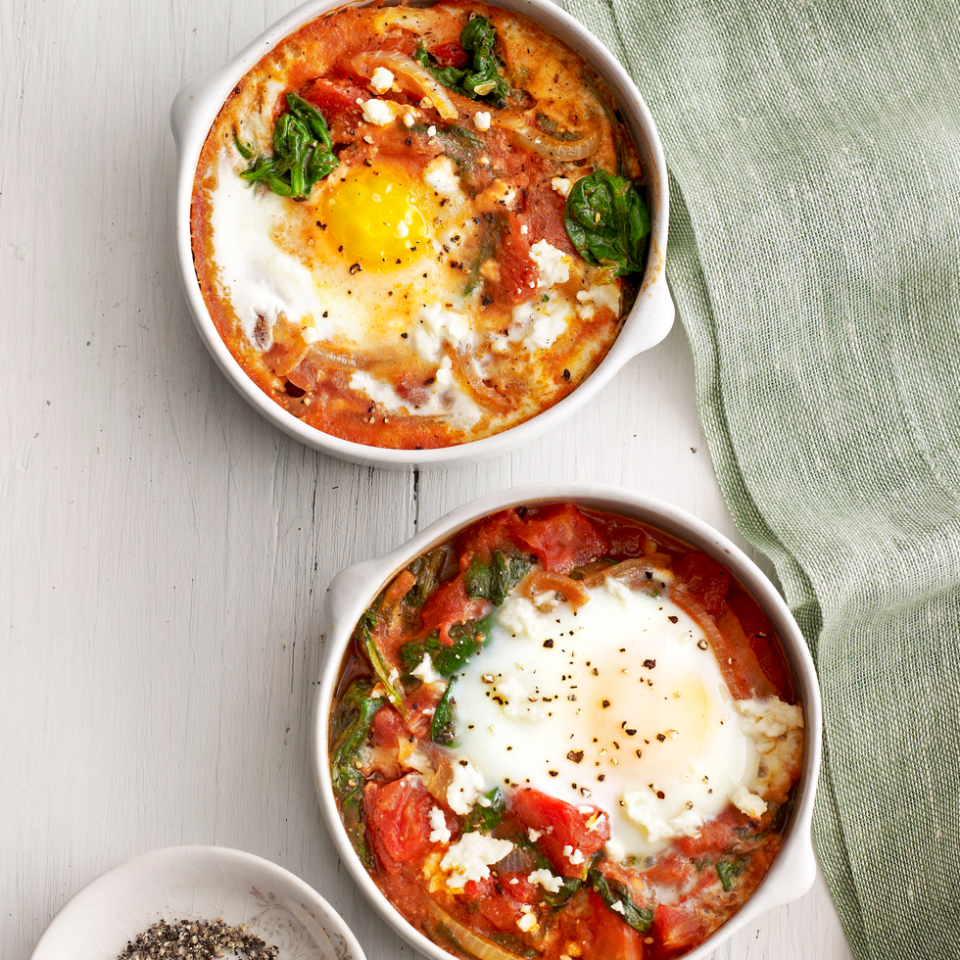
(381, 81)
(438, 821)
(435, 325)
(441, 176)
(524, 229)
(309, 332)
(547, 327)
(424, 670)
(615, 850)
(748, 803)
(552, 264)
(519, 616)
(408, 119)
(574, 855)
(562, 185)
(617, 905)
(471, 856)
(620, 590)
(596, 823)
(444, 374)
(527, 921)
(643, 809)
(466, 786)
(481, 120)
(378, 112)
(534, 835)
(602, 295)
(546, 879)
(431, 131)
(777, 730)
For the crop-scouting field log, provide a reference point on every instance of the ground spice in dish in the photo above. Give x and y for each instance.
(197, 940)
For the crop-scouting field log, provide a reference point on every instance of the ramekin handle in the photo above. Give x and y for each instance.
(656, 315)
(190, 101)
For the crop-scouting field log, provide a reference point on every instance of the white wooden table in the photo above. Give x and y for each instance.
(164, 550)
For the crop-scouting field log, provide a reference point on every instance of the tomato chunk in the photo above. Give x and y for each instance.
(568, 837)
(396, 815)
(499, 900)
(448, 605)
(563, 539)
(334, 97)
(518, 274)
(705, 580)
(678, 928)
(450, 55)
(611, 937)
(763, 640)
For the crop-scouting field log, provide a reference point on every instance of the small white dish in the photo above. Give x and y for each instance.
(197, 105)
(195, 883)
(351, 592)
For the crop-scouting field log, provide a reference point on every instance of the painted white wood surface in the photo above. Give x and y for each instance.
(163, 551)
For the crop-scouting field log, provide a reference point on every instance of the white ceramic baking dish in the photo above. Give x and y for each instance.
(349, 595)
(197, 105)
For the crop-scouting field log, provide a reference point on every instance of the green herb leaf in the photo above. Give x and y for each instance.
(493, 580)
(426, 569)
(302, 152)
(380, 666)
(441, 727)
(487, 818)
(614, 892)
(479, 38)
(481, 79)
(353, 718)
(412, 654)
(728, 871)
(448, 660)
(608, 222)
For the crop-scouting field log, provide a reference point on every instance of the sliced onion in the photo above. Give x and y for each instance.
(538, 582)
(631, 572)
(546, 146)
(487, 395)
(412, 77)
(472, 942)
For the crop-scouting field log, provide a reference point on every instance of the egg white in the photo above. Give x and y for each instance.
(618, 704)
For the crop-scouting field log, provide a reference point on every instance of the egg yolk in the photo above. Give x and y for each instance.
(376, 216)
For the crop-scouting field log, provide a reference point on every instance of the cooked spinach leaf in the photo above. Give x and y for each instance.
(481, 77)
(467, 638)
(302, 152)
(353, 718)
(619, 898)
(426, 569)
(441, 726)
(608, 222)
(387, 676)
(412, 654)
(447, 660)
(486, 818)
(492, 580)
(728, 871)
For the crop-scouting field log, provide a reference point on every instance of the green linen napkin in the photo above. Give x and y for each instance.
(814, 149)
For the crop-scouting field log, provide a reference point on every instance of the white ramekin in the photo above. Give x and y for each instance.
(196, 107)
(349, 595)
